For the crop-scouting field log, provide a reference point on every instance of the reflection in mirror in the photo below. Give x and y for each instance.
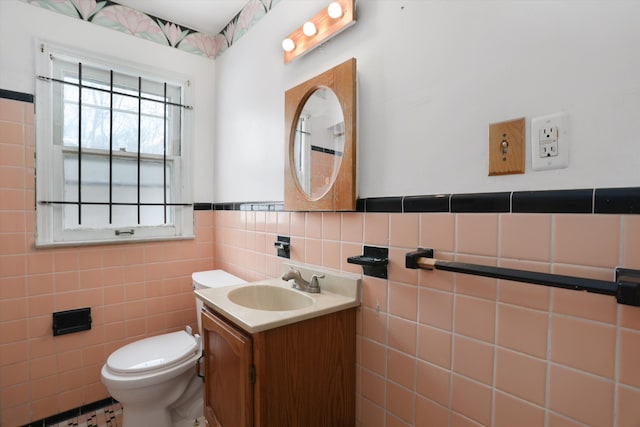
(320, 155)
(319, 142)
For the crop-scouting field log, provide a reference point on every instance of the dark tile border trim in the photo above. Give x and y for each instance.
(624, 200)
(480, 202)
(617, 201)
(203, 206)
(66, 415)
(555, 201)
(383, 204)
(16, 96)
(435, 203)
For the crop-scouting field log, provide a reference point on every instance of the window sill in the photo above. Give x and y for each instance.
(124, 240)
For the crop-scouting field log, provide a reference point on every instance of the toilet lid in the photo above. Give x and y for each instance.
(155, 353)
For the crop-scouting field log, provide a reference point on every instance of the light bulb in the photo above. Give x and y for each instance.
(309, 29)
(288, 45)
(335, 10)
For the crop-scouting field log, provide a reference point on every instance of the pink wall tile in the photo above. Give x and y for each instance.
(587, 240)
(437, 231)
(475, 318)
(525, 237)
(402, 334)
(587, 305)
(436, 279)
(631, 242)
(373, 387)
(331, 225)
(374, 325)
(471, 399)
(627, 407)
(436, 308)
(524, 294)
(434, 345)
(581, 396)
(585, 345)
(511, 412)
(523, 329)
(348, 250)
(521, 375)
(396, 269)
(459, 420)
(401, 369)
(284, 223)
(374, 293)
(403, 300)
(433, 382)
(482, 287)
(372, 414)
(10, 155)
(313, 226)
(404, 230)
(473, 358)
(374, 357)
(394, 421)
(429, 413)
(629, 354)
(376, 229)
(477, 234)
(313, 251)
(352, 227)
(400, 402)
(331, 255)
(11, 111)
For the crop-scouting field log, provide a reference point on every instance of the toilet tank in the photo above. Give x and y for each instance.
(211, 279)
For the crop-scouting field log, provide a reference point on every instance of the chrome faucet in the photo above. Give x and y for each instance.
(311, 286)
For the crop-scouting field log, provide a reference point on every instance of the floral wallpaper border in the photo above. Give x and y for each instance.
(121, 18)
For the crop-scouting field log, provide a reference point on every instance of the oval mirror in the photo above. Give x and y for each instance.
(318, 142)
(320, 149)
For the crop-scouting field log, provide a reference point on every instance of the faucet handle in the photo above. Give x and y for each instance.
(314, 280)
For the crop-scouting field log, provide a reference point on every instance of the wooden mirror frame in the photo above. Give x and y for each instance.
(341, 196)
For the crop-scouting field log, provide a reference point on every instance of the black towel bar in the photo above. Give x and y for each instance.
(626, 288)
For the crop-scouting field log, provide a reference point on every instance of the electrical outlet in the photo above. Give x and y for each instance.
(548, 137)
(550, 142)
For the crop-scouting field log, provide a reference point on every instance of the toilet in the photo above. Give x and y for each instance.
(154, 379)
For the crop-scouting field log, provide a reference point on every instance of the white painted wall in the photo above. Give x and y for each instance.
(21, 24)
(432, 75)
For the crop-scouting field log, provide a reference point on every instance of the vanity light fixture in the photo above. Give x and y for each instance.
(330, 21)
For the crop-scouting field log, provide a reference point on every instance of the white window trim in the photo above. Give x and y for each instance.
(49, 217)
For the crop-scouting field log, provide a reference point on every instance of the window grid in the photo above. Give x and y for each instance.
(166, 103)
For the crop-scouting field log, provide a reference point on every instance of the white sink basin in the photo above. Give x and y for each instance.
(270, 298)
(271, 303)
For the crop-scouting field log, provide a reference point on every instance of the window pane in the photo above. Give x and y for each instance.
(152, 126)
(95, 188)
(125, 123)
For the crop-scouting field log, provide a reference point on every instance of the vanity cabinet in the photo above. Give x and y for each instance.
(301, 374)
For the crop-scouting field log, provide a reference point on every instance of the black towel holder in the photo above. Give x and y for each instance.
(626, 288)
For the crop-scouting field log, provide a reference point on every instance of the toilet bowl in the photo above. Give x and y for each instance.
(154, 378)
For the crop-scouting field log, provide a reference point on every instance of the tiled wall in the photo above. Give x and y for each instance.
(133, 290)
(438, 349)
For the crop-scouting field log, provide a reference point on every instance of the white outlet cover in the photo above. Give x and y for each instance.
(561, 122)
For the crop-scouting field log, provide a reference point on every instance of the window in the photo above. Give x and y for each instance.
(111, 151)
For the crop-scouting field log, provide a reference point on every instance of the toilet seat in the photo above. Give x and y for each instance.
(153, 354)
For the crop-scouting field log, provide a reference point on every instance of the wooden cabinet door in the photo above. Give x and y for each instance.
(228, 395)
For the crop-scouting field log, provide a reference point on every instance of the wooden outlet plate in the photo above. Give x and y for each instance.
(506, 147)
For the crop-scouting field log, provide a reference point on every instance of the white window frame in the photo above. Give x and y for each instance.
(50, 228)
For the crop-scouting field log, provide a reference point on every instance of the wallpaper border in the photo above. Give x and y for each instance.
(115, 16)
